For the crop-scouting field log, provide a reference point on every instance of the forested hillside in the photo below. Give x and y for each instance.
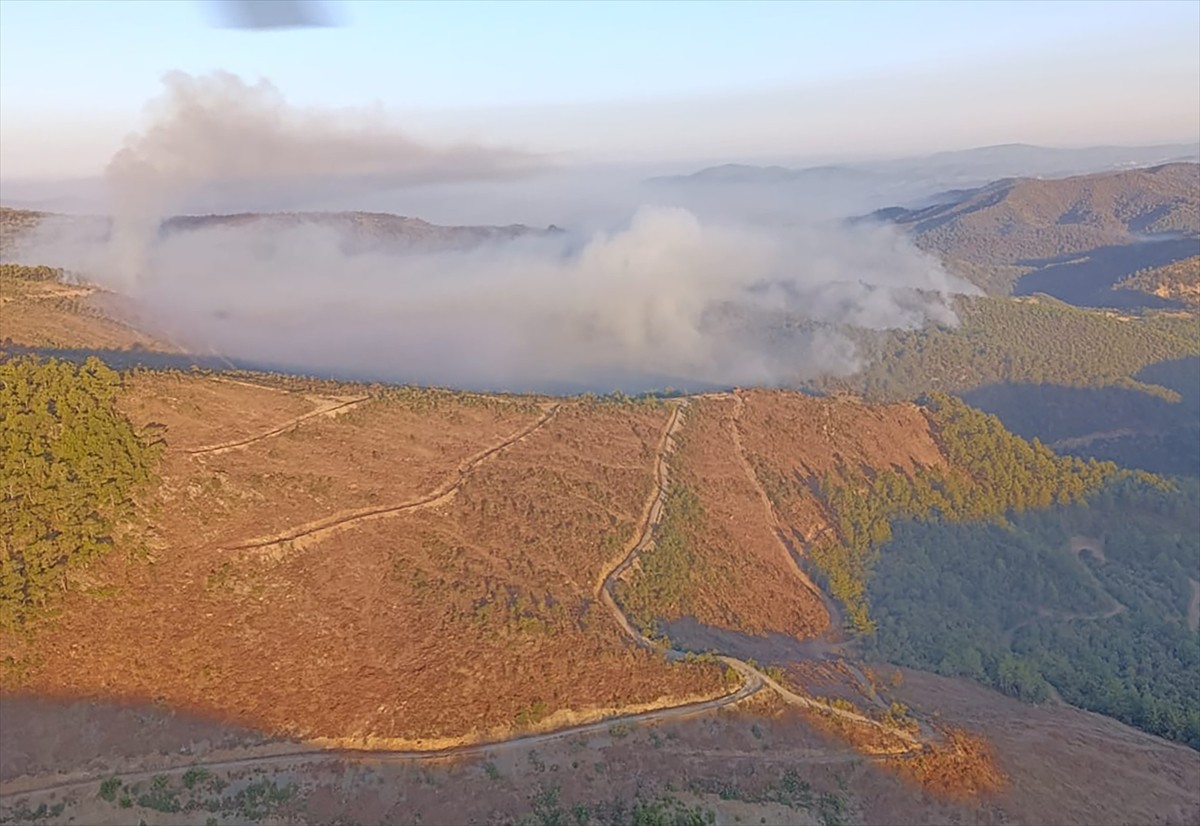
(1012, 226)
(1156, 432)
(70, 465)
(1096, 602)
(992, 473)
(1019, 340)
(1179, 281)
(1063, 577)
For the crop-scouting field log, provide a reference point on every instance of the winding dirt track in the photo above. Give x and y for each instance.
(273, 756)
(340, 406)
(769, 509)
(753, 680)
(322, 528)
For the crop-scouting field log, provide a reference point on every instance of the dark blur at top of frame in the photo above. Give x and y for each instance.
(265, 15)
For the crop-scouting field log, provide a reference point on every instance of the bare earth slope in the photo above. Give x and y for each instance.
(470, 534)
(39, 310)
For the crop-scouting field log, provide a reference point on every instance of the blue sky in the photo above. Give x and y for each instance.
(623, 78)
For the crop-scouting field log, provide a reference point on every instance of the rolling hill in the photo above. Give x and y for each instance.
(854, 187)
(1073, 238)
(1177, 281)
(315, 568)
(362, 230)
(356, 231)
(965, 167)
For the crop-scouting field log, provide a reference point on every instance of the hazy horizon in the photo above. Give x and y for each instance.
(545, 114)
(637, 84)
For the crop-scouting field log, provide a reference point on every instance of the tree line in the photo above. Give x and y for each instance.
(70, 465)
(1106, 630)
(991, 473)
(1019, 340)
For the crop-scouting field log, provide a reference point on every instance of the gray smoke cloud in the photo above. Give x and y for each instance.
(657, 295)
(218, 137)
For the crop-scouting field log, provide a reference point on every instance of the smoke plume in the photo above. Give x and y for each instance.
(220, 137)
(657, 296)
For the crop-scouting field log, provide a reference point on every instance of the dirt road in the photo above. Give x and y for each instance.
(272, 756)
(319, 529)
(328, 407)
(752, 679)
(769, 509)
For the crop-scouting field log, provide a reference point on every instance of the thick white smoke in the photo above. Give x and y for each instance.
(662, 297)
(218, 136)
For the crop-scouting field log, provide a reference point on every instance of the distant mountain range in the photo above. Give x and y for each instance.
(363, 228)
(860, 187)
(968, 167)
(358, 231)
(1068, 237)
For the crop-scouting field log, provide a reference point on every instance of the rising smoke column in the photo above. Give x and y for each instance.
(219, 133)
(659, 297)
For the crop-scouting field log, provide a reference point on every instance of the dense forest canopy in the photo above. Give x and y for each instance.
(1090, 601)
(1036, 340)
(1119, 424)
(992, 473)
(70, 464)
(1179, 281)
(1041, 575)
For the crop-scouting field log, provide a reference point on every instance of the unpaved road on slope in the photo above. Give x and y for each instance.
(326, 407)
(278, 759)
(769, 509)
(753, 680)
(273, 756)
(1063, 616)
(319, 529)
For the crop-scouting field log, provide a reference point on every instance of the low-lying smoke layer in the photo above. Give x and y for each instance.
(666, 300)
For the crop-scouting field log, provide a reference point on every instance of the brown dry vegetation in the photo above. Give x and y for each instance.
(742, 579)
(793, 441)
(736, 451)
(475, 616)
(459, 621)
(380, 453)
(1063, 767)
(54, 314)
(960, 765)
